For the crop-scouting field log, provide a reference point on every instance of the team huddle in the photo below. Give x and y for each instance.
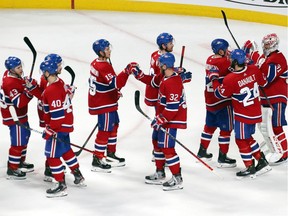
(243, 89)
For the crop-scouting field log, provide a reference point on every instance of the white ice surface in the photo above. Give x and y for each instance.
(123, 192)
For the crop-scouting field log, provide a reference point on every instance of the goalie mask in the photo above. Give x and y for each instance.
(270, 43)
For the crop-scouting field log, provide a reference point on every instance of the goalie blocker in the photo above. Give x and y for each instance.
(271, 146)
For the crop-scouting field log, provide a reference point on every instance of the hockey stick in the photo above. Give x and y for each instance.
(182, 56)
(16, 120)
(29, 44)
(226, 24)
(71, 72)
(87, 140)
(137, 105)
(261, 89)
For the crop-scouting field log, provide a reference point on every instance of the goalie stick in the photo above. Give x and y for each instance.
(71, 72)
(137, 105)
(87, 140)
(29, 44)
(16, 120)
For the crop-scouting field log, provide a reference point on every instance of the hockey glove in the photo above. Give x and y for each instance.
(186, 76)
(70, 90)
(137, 72)
(179, 69)
(250, 46)
(30, 83)
(158, 121)
(129, 67)
(48, 133)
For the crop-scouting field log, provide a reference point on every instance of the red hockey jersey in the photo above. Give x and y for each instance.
(243, 87)
(215, 65)
(172, 102)
(15, 95)
(104, 87)
(274, 69)
(58, 110)
(151, 93)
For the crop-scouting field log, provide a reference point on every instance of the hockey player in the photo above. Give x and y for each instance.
(58, 117)
(48, 177)
(219, 112)
(104, 93)
(171, 114)
(242, 86)
(274, 67)
(165, 42)
(15, 92)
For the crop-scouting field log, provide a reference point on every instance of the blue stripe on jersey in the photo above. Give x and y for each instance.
(218, 95)
(103, 87)
(272, 72)
(163, 100)
(57, 114)
(285, 75)
(172, 106)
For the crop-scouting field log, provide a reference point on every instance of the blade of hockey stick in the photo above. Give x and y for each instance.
(71, 72)
(87, 140)
(137, 105)
(29, 44)
(16, 120)
(182, 56)
(226, 24)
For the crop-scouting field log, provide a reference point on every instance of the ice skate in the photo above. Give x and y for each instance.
(48, 177)
(262, 166)
(26, 167)
(59, 190)
(99, 165)
(175, 183)
(114, 161)
(157, 178)
(15, 174)
(225, 162)
(248, 172)
(202, 153)
(279, 162)
(79, 179)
